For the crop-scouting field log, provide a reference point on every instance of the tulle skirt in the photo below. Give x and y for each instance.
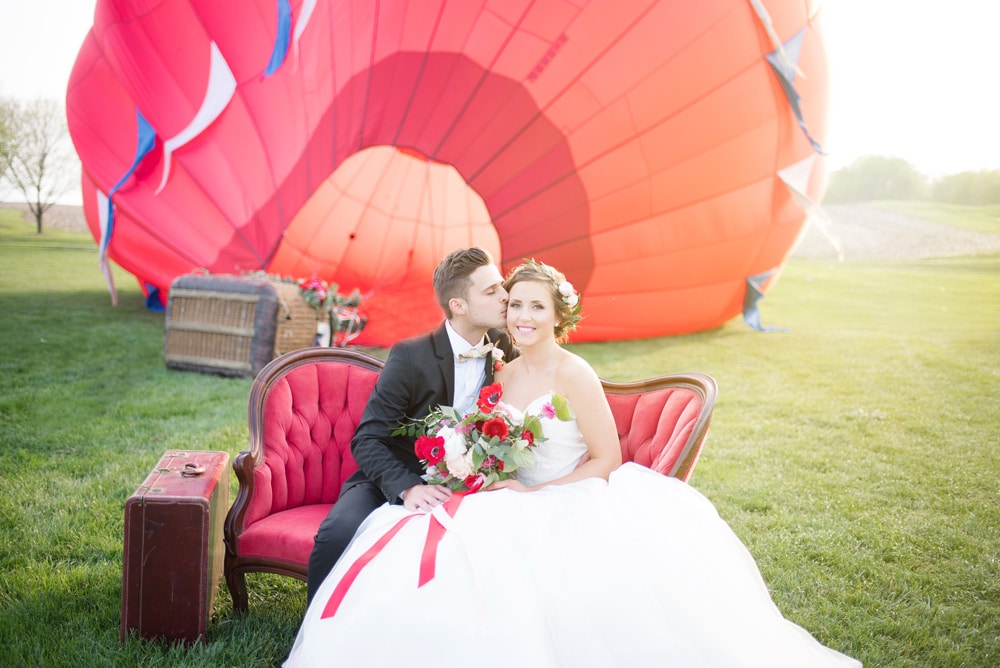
(636, 571)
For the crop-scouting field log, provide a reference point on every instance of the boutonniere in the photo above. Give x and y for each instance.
(497, 359)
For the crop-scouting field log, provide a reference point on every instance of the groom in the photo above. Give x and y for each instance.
(442, 367)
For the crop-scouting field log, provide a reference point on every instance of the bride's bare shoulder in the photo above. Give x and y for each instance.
(574, 369)
(505, 372)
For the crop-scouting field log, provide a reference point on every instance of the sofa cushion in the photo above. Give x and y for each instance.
(286, 536)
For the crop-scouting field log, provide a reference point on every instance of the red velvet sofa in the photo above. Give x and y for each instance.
(305, 405)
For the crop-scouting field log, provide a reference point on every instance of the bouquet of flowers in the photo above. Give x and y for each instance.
(475, 450)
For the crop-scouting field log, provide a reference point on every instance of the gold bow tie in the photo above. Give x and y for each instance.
(478, 352)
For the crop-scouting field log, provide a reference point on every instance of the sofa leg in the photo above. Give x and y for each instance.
(237, 583)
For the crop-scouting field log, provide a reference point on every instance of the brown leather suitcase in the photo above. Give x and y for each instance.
(173, 552)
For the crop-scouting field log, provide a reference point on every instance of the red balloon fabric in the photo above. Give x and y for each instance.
(661, 154)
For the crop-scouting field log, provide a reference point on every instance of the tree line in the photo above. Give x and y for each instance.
(877, 177)
(37, 160)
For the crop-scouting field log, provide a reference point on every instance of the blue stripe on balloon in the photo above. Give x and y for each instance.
(282, 39)
(145, 141)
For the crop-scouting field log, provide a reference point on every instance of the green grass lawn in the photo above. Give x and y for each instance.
(856, 455)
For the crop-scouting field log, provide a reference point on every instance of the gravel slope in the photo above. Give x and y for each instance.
(870, 233)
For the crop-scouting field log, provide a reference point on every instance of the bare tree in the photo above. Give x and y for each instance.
(37, 159)
(7, 112)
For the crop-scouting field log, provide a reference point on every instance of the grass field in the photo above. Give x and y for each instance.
(856, 455)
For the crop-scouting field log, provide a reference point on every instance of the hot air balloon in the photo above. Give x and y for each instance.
(663, 154)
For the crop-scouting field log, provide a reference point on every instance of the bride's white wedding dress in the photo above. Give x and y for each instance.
(636, 571)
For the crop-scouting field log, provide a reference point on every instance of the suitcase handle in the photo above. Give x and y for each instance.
(192, 469)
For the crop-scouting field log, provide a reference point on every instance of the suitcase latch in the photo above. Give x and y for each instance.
(192, 469)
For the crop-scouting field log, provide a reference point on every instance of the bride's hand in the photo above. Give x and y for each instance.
(506, 484)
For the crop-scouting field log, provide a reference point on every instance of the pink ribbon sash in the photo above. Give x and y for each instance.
(428, 558)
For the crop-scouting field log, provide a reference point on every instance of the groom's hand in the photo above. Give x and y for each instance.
(425, 497)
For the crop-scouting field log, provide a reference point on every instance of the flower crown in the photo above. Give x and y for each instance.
(566, 290)
(570, 296)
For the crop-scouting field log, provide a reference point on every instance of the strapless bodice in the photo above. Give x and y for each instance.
(559, 453)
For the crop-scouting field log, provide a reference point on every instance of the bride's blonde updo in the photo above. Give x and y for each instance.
(564, 296)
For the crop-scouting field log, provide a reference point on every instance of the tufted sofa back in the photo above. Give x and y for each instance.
(301, 426)
(304, 412)
(662, 422)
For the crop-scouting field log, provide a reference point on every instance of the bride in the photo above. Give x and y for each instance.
(580, 561)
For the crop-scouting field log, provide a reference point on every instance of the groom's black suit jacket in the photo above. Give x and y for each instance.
(419, 375)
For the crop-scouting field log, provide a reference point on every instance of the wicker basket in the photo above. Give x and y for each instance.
(231, 325)
(296, 320)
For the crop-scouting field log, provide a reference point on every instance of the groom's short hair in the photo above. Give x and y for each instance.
(451, 277)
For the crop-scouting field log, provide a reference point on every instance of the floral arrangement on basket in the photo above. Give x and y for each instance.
(318, 294)
(339, 320)
(345, 320)
(473, 451)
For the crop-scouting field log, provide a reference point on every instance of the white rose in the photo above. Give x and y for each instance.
(460, 466)
(502, 411)
(454, 443)
(572, 300)
(566, 288)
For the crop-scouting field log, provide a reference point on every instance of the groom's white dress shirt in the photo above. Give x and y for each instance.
(469, 374)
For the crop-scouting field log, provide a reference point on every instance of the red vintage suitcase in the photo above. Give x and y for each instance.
(173, 553)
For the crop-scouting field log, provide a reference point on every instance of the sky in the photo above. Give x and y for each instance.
(908, 78)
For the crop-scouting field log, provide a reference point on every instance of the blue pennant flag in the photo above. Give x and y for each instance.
(753, 294)
(784, 67)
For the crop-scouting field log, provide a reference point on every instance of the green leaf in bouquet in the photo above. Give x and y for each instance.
(451, 413)
(561, 407)
(478, 456)
(534, 425)
(491, 478)
(509, 465)
(503, 454)
(519, 459)
(411, 429)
